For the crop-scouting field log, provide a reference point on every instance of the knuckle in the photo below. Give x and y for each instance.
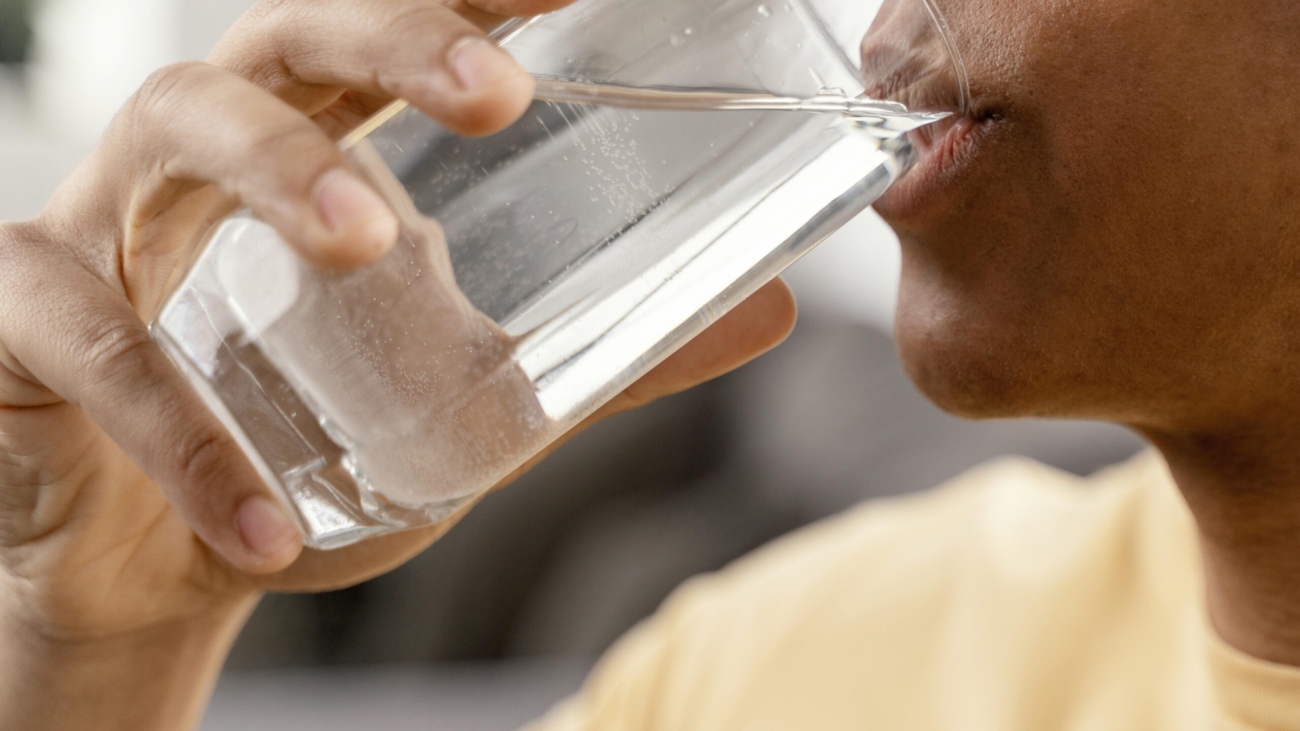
(405, 81)
(203, 456)
(424, 32)
(115, 350)
(164, 88)
(145, 123)
(260, 45)
(285, 155)
(273, 141)
(396, 82)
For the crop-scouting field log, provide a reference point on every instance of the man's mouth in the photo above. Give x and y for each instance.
(906, 58)
(943, 150)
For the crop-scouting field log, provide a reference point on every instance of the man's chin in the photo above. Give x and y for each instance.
(971, 370)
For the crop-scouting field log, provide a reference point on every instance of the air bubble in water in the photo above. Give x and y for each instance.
(764, 11)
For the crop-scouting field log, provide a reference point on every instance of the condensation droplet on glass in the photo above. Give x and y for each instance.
(764, 11)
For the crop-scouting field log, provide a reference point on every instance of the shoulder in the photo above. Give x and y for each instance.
(1013, 571)
(1015, 514)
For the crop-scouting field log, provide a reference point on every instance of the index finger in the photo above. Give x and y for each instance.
(434, 55)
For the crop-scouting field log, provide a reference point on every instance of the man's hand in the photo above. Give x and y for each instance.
(134, 534)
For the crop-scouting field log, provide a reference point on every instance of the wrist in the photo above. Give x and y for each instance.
(157, 677)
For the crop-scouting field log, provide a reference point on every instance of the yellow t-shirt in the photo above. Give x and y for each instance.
(1015, 598)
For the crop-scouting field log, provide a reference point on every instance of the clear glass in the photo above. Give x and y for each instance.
(681, 154)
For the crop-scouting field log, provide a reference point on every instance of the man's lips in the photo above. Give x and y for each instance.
(943, 149)
(906, 59)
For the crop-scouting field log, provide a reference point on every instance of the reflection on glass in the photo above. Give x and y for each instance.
(680, 155)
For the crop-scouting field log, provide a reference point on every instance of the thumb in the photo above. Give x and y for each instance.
(82, 340)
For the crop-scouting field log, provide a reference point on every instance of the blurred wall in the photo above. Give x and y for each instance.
(85, 59)
(90, 55)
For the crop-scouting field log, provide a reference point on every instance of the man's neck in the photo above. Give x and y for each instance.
(1244, 491)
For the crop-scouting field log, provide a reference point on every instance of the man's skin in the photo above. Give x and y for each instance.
(1117, 237)
(1105, 236)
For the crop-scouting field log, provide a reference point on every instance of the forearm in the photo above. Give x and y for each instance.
(157, 679)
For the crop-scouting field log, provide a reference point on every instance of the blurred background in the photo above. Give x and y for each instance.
(504, 616)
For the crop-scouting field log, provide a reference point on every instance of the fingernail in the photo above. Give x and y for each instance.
(347, 205)
(479, 63)
(264, 527)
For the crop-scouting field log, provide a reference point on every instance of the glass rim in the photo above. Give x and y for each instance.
(940, 22)
(511, 27)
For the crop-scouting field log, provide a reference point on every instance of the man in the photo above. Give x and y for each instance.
(1109, 233)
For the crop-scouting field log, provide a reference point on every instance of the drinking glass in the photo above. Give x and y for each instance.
(681, 153)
